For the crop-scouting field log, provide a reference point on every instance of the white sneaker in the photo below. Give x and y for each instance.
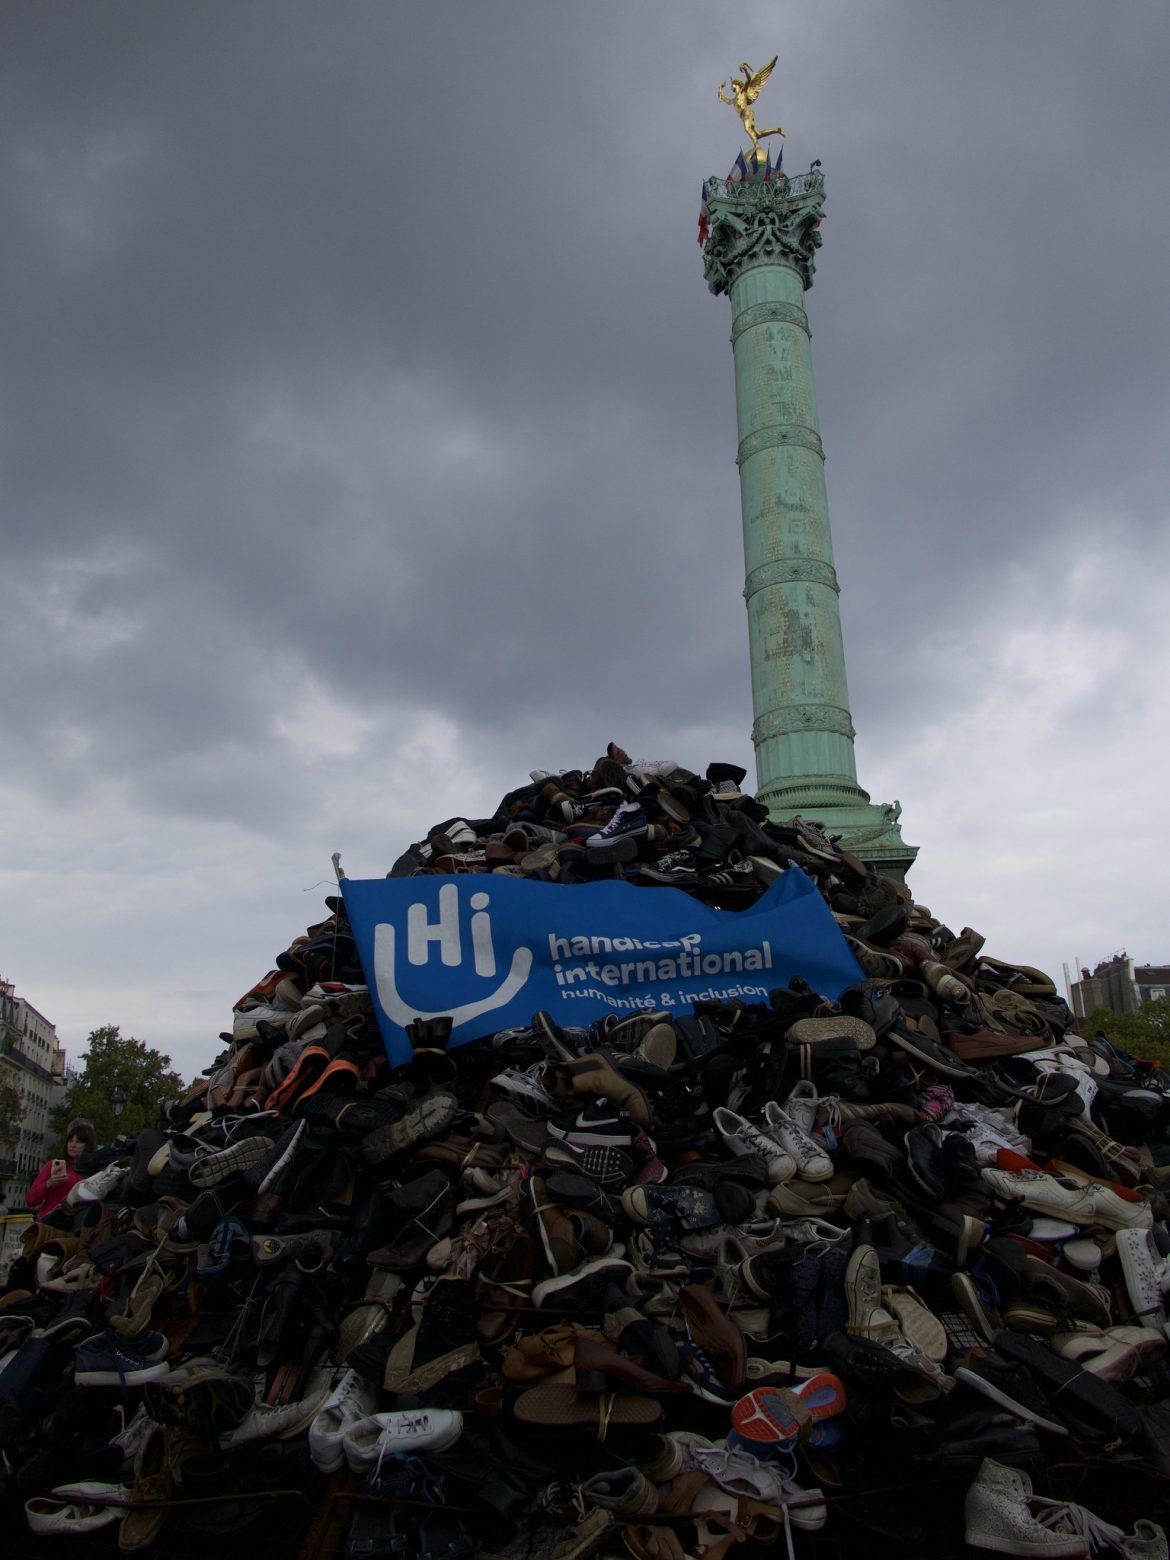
(987, 1132)
(812, 1163)
(406, 1432)
(67, 1517)
(1145, 1278)
(1088, 1203)
(522, 1089)
(263, 1421)
(802, 1105)
(804, 1232)
(353, 1398)
(733, 1243)
(999, 1516)
(742, 1138)
(99, 1186)
(1146, 1542)
(774, 1481)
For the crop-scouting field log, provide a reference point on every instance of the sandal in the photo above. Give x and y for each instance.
(560, 1404)
(646, 1542)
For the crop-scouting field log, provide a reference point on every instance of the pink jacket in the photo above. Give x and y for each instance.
(42, 1197)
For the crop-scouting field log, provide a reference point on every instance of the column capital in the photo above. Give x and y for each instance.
(757, 219)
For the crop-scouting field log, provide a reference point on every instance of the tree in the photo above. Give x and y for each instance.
(145, 1073)
(11, 1113)
(1144, 1034)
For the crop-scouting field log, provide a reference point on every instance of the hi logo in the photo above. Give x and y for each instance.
(425, 938)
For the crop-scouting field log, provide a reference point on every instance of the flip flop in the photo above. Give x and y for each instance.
(557, 1404)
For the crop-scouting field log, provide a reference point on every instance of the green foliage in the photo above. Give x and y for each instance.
(1144, 1034)
(11, 1110)
(145, 1073)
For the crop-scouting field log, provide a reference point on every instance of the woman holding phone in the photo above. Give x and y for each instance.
(56, 1176)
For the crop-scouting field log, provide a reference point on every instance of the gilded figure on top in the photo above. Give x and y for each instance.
(744, 94)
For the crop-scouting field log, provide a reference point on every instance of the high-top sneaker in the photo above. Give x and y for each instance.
(903, 1257)
(791, 1288)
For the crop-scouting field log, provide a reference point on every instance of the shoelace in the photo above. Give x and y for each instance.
(625, 814)
(675, 861)
(411, 1424)
(1067, 1517)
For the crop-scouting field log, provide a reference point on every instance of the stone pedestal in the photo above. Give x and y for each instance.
(762, 240)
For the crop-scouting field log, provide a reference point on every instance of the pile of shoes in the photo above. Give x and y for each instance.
(668, 1284)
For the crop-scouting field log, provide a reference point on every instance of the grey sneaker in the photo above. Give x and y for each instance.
(217, 1166)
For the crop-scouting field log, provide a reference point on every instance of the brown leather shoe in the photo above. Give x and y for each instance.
(542, 1353)
(504, 1290)
(595, 1074)
(718, 1337)
(598, 1365)
(568, 1235)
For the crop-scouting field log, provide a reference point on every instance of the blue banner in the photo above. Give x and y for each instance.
(489, 950)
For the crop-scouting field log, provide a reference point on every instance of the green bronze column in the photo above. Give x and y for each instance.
(763, 236)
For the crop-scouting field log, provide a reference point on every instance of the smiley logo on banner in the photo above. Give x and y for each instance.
(421, 932)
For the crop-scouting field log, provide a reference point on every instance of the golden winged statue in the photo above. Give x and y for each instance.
(744, 94)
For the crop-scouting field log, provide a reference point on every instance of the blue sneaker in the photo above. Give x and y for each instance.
(109, 1361)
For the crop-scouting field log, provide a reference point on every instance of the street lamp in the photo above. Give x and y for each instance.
(118, 1098)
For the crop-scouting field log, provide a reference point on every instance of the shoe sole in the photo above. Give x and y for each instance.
(989, 1390)
(936, 1061)
(1073, 1549)
(553, 1286)
(429, 1118)
(113, 1378)
(584, 1139)
(811, 1031)
(209, 1172)
(558, 1403)
(609, 1167)
(275, 1169)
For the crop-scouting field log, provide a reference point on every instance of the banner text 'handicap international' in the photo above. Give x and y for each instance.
(489, 951)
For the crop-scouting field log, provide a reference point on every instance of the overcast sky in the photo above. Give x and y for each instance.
(367, 438)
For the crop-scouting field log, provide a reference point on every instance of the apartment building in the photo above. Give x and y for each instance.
(33, 1063)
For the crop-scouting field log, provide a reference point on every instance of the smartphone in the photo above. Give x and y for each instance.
(58, 1167)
